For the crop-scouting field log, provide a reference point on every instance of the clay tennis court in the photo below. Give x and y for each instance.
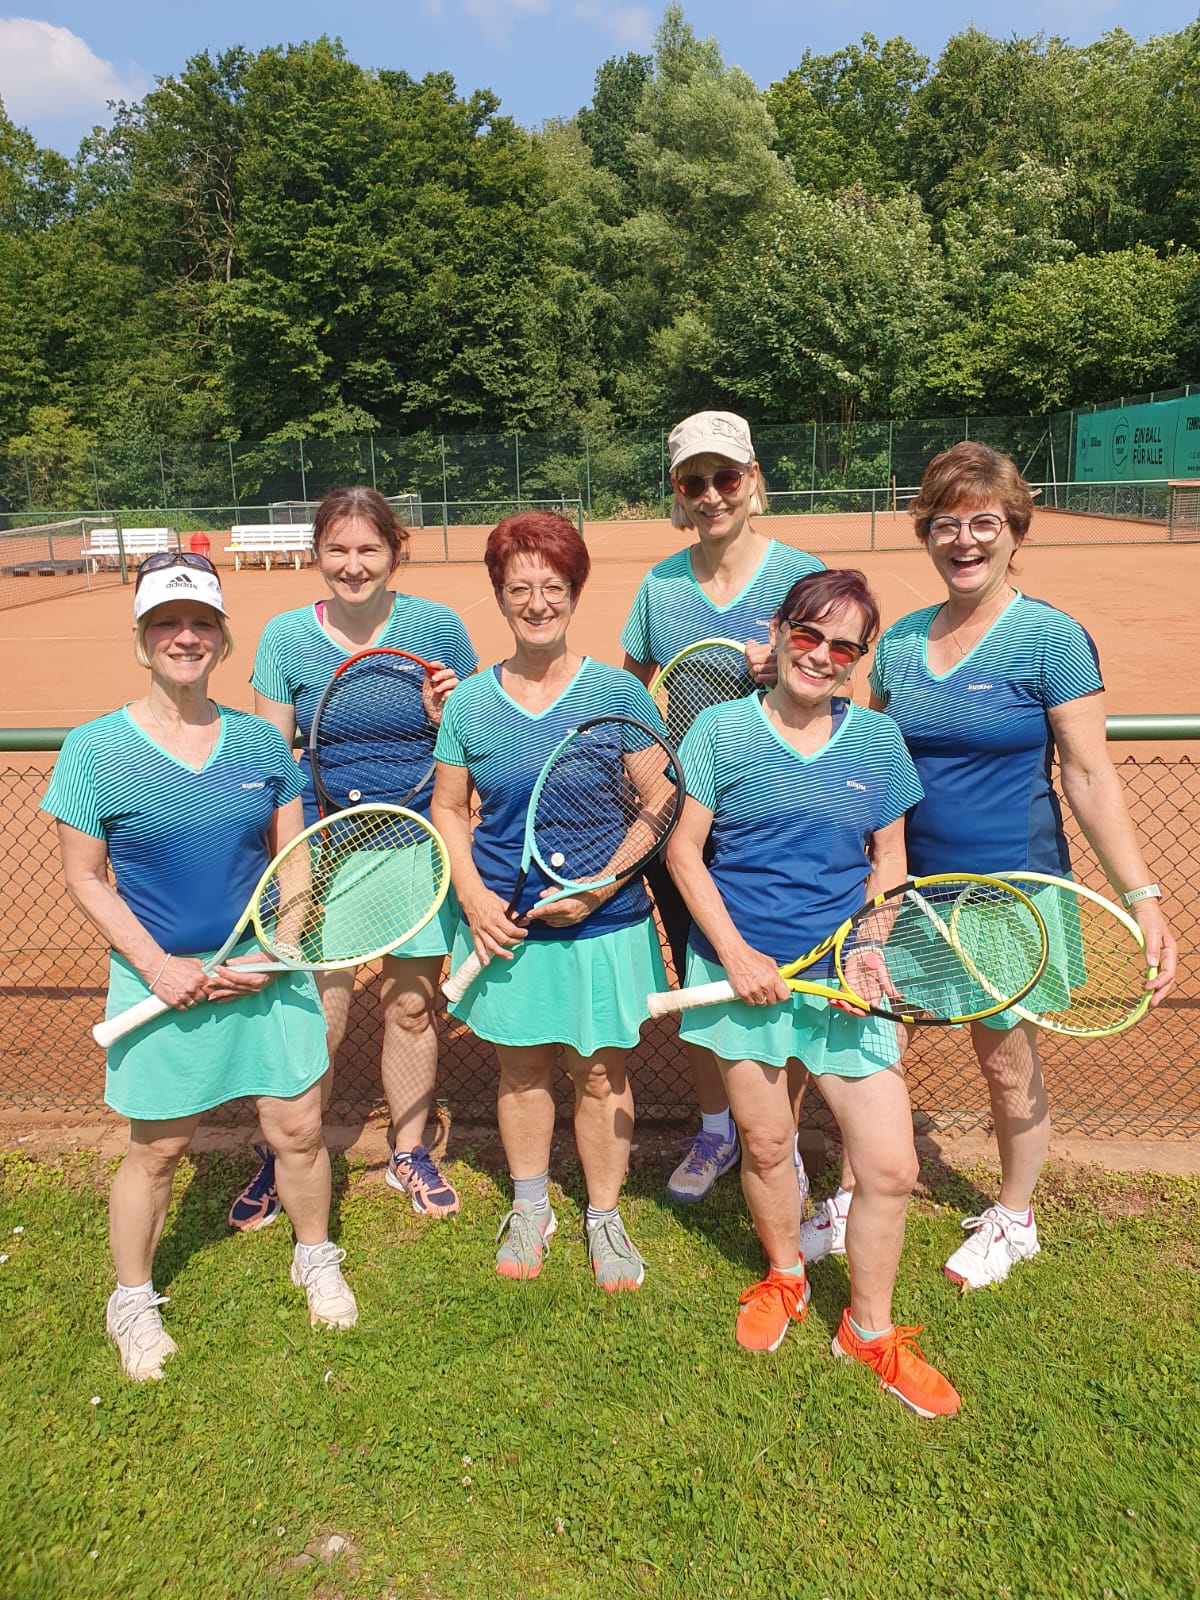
(65, 660)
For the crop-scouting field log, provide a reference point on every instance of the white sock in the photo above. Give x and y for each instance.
(718, 1122)
(123, 1291)
(304, 1252)
(797, 1158)
(1022, 1217)
(595, 1217)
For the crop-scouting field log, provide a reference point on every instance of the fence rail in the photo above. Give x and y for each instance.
(1145, 1083)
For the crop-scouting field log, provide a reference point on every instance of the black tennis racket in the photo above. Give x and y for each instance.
(604, 804)
(372, 736)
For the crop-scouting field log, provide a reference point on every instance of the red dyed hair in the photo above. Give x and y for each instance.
(356, 500)
(809, 599)
(544, 535)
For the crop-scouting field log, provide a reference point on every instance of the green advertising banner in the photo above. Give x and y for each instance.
(1161, 440)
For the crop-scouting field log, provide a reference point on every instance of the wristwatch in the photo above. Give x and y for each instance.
(1149, 891)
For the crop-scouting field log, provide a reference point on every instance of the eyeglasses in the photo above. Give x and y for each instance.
(553, 593)
(984, 528)
(726, 480)
(161, 559)
(842, 652)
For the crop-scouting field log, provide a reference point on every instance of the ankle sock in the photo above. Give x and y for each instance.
(123, 1291)
(533, 1190)
(841, 1200)
(304, 1251)
(1024, 1218)
(868, 1335)
(718, 1122)
(595, 1217)
(789, 1272)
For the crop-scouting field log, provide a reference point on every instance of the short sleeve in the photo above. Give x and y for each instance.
(1070, 663)
(697, 756)
(71, 795)
(635, 635)
(289, 776)
(450, 748)
(904, 786)
(460, 652)
(877, 676)
(269, 677)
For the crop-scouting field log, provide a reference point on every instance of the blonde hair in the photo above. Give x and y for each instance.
(142, 656)
(756, 508)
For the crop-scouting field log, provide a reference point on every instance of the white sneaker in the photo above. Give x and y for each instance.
(135, 1327)
(803, 1185)
(824, 1234)
(995, 1242)
(708, 1157)
(330, 1302)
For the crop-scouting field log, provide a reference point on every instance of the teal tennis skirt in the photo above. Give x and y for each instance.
(805, 1028)
(185, 1062)
(436, 938)
(586, 993)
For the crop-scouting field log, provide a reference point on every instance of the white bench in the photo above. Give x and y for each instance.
(102, 548)
(259, 541)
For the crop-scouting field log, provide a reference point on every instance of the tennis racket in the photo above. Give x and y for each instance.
(604, 804)
(348, 889)
(944, 949)
(705, 674)
(1095, 978)
(371, 740)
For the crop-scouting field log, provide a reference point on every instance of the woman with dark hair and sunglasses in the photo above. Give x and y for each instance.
(795, 816)
(726, 585)
(987, 688)
(186, 802)
(359, 544)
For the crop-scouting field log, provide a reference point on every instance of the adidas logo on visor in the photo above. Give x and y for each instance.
(183, 581)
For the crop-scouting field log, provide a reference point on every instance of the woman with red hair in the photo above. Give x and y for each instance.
(572, 974)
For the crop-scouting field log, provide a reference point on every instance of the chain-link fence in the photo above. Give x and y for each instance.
(613, 474)
(1145, 1082)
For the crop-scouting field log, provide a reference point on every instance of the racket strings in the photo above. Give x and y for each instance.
(595, 817)
(355, 888)
(958, 948)
(373, 740)
(702, 678)
(1095, 977)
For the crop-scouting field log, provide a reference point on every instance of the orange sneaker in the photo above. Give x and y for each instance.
(902, 1369)
(768, 1307)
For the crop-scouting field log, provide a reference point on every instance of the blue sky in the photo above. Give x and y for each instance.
(61, 63)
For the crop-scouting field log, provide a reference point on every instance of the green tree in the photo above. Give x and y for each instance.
(606, 124)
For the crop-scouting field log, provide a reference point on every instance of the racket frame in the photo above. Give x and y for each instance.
(468, 970)
(325, 801)
(1046, 880)
(682, 656)
(113, 1028)
(722, 991)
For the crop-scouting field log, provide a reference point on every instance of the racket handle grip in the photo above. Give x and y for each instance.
(114, 1028)
(700, 994)
(461, 979)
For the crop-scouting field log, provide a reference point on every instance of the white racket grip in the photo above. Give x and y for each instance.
(700, 994)
(114, 1028)
(461, 979)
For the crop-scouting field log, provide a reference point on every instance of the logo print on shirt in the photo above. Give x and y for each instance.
(261, 784)
(851, 784)
(972, 686)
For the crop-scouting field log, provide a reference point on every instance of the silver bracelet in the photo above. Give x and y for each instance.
(160, 971)
(1149, 891)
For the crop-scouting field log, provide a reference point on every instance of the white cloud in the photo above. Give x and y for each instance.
(495, 17)
(630, 26)
(50, 72)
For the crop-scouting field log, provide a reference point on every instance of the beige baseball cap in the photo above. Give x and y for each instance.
(711, 433)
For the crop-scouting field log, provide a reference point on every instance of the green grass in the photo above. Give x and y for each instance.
(476, 1438)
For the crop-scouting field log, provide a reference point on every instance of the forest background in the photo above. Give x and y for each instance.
(283, 245)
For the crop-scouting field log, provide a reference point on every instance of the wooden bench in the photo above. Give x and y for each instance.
(102, 548)
(259, 541)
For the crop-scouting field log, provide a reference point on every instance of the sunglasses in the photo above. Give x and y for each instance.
(161, 559)
(842, 652)
(726, 480)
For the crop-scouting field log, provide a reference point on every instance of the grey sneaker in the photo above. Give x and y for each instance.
(526, 1233)
(615, 1260)
(135, 1327)
(708, 1158)
(824, 1234)
(330, 1301)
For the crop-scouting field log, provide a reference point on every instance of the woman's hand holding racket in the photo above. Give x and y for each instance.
(495, 929)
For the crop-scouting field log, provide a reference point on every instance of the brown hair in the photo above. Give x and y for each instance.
(545, 535)
(971, 473)
(356, 500)
(809, 599)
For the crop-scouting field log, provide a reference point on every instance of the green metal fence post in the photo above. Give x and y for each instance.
(579, 516)
(371, 442)
(121, 548)
(303, 478)
(233, 479)
(587, 467)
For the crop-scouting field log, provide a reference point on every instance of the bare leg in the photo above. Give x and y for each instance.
(302, 1175)
(707, 1081)
(410, 1044)
(603, 1122)
(525, 1107)
(1020, 1111)
(876, 1122)
(141, 1194)
(758, 1096)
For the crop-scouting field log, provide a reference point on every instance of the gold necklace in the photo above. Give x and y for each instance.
(952, 632)
(175, 749)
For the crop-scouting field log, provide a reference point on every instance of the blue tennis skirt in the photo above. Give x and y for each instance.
(586, 993)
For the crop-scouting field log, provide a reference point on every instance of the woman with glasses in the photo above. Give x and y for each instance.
(572, 975)
(185, 801)
(359, 544)
(726, 585)
(795, 815)
(987, 687)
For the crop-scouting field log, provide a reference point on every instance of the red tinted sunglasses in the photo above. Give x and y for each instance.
(726, 480)
(842, 652)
